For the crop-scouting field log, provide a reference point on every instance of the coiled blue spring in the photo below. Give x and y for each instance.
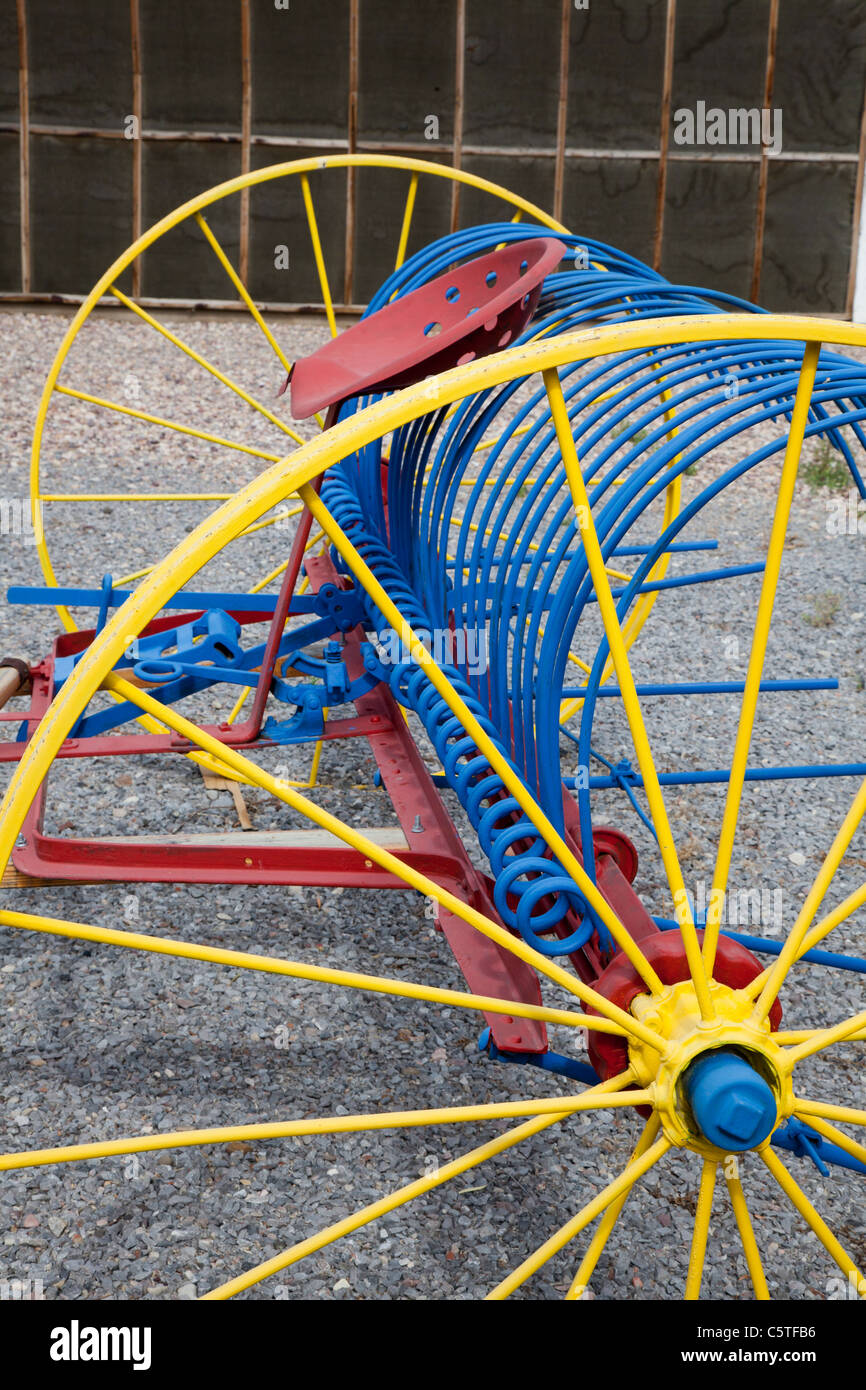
(519, 860)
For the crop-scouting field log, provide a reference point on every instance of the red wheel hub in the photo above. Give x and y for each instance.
(619, 982)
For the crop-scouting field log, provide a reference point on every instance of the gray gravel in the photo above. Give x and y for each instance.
(99, 1043)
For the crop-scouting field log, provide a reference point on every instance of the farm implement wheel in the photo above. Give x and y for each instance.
(82, 394)
(684, 1025)
(148, 423)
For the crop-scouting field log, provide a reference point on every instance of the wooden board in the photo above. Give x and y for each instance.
(386, 837)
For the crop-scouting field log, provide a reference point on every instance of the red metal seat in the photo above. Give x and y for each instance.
(474, 309)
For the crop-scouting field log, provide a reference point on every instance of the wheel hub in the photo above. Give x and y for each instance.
(719, 1087)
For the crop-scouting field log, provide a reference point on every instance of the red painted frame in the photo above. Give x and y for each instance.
(437, 850)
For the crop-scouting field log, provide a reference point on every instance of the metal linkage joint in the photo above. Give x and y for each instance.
(546, 1061)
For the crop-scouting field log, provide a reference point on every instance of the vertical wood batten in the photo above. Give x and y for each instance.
(664, 133)
(459, 103)
(351, 145)
(246, 133)
(24, 145)
(857, 220)
(763, 174)
(562, 110)
(667, 47)
(138, 141)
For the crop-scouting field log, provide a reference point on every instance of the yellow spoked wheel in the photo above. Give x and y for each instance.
(249, 426)
(669, 1030)
(115, 436)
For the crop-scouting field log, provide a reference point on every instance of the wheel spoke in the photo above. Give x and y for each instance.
(766, 602)
(203, 362)
(407, 221)
(169, 425)
(275, 573)
(201, 759)
(846, 1113)
(276, 519)
(557, 1106)
(700, 1231)
(796, 942)
(135, 496)
(626, 1180)
(418, 1188)
(811, 1217)
(788, 1037)
(127, 579)
(270, 521)
(287, 515)
(170, 717)
(488, 444)
(584, 666)
(300, 970)
(317, 253)
(826, 1037)
(850, 905)
(496, 760)
(613, 631)
(640, 611)
(609, 1220)
(397, 1199)
(241, 289)
(747, 1238)
(845, 909)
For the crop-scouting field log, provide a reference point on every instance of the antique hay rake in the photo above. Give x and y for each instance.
(511, 422)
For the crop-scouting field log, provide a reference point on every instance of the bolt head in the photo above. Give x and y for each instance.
(732, 1104)
(740, 1117)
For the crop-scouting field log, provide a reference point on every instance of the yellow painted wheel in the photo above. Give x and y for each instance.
(667, 1028)
(85, 393)
(78, 390)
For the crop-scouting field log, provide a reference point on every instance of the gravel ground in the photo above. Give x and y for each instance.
(99, 1043)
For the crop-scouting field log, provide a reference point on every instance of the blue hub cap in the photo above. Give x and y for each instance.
(733, 1106)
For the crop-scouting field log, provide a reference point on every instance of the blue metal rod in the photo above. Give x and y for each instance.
(547, 1061)
(676, 548)
(683, 580)
(89, 598)
(707, 687)
(804, 1141)
(753, 774)
(774, 948)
